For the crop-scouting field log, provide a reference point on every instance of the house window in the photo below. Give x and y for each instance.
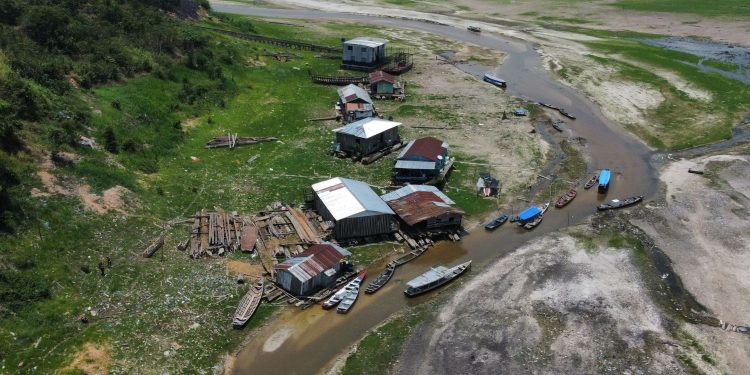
(364, 49)
(350, 48)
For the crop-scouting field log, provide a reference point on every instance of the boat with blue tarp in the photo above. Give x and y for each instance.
(529, 214)
(494, 80)
(604, 177)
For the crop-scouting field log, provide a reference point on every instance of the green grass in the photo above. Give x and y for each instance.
(145, 305)
(722, 65)
(377, 352)
(675, 117)
(728, 8)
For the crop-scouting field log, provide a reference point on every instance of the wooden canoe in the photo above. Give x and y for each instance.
(566, 198)
(248, 304)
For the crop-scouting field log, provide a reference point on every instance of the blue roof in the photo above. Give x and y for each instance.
(604, 177)
(529, 213)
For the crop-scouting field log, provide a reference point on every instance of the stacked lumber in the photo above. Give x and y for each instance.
(232, 140)
(214, 233)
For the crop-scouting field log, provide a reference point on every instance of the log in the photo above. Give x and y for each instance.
(156, 245)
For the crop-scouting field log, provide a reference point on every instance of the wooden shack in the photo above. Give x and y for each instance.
(383, 86)
(424, 207)
(421, 160)
(353, 208)
(311, 270)
(363, 53)
(354, 104)
(366, 136)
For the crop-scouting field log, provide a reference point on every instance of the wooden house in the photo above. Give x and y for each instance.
(311, 270)
(421, 160)
(354, 104)
(424, 207)
(384, 86)
(353, 208)
(367, 136)
(363, 53)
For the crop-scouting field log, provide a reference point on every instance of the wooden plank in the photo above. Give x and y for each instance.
(154, 246)
(249, 237)
(204, 232)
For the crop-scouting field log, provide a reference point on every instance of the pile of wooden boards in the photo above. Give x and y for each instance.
(214, 233)
(232, 140)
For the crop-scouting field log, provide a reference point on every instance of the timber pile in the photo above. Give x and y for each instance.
(283, 232)
(214, 233)
(232, 140)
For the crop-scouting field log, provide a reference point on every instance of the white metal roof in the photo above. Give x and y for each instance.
(412, 164)
(345, 198)
(368, 127)
(367, 41)
(408, 189)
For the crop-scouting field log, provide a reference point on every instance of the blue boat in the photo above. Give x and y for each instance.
(494, 80)
(528, 214)
(521, 112)
(604, 178)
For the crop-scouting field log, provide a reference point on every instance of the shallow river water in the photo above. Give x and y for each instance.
(307, 341)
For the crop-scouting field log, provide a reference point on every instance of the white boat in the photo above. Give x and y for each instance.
(348, 301)
(337, 297)
(434, 278)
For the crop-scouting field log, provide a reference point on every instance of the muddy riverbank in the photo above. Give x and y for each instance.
(316, 337)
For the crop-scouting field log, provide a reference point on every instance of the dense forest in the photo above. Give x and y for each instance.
(49, 48)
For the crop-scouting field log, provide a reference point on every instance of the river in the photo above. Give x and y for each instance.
(307, 341)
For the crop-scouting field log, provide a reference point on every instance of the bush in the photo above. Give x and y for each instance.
(20, 289)
(110, 141)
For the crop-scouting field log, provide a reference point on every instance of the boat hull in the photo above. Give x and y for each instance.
(413, 292)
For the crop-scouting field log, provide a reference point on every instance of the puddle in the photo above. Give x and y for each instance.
(709, 50)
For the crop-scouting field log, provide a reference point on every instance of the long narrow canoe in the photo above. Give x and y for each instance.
(248, 304)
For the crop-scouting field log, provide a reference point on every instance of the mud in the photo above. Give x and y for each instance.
(707, 49)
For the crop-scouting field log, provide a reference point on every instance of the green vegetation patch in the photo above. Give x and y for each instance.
(377, 352)
(729, 8)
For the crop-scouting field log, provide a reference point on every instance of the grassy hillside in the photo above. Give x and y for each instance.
(731, 8)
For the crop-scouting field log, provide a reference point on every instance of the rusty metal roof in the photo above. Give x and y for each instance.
(420, 206)
(313, 261)
(380, 75)
(429, 148)
(351, 92)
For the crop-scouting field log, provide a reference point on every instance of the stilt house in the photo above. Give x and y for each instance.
(366, 136)
(424, 207)
(311, 270)
(353, 208)
(421, 160)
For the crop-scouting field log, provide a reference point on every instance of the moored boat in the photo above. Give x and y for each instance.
(591, 182)
(248, 304)
(434, 278)
(348, 301)
(604, 177)
(337, 297)
(566, 198)
(492, 225)
(533, 223)
(617, 203)
(381, 279)
(557, 125)
(494, 80)
(548, 105)
(475, 29)
(566, 114)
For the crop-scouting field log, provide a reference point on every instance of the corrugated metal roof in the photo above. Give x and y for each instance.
(367, 127)
(379, 75)
(529, 213)
(353, 92)
(314, 261)
(428, 147)
(350, 198)
(408, 189)
(432, 275)
(410, 164)
(420, 206)
(367, 42)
